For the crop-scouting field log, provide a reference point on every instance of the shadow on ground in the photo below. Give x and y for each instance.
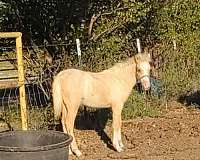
(191, 98)
(92, 120)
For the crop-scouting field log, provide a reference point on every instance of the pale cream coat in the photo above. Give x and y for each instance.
(109, 88)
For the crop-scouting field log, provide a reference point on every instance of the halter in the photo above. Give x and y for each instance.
(139, 79)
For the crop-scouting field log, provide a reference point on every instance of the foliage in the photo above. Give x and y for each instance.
(179, 70)
(178, 20)
(112, 38)
(47, 22)
(4, 10)
(140, 104)
(38, 118)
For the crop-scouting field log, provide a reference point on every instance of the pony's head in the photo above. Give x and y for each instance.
(143, 69)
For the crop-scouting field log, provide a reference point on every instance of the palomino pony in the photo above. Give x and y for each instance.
(109, 88)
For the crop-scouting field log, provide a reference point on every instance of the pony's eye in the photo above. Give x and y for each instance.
(139, 70)
(151, 64)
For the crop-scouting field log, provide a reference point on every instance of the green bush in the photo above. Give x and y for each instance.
(140, 104)
(180, 21)
(4, 10)
(179, 71)
(156, 23)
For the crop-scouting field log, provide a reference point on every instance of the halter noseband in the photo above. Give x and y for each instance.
(139, 79)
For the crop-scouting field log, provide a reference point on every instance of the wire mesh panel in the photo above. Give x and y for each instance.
(38, 78)
(38, 98)
(20, 70)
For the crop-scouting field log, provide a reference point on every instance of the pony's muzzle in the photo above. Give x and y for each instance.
(145, 81)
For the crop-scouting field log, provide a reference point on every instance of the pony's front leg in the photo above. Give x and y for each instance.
(117, 139)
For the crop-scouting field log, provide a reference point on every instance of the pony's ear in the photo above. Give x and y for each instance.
(138, 57)
(151, 63)
(149, 55)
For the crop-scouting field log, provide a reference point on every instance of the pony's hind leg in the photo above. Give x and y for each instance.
(64, 126)
(117, 140)
(69, 123)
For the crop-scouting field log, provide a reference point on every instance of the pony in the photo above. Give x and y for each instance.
(108, 88)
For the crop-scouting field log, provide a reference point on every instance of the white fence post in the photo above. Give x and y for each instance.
(138, 45)
(78, 46)
(174, 44)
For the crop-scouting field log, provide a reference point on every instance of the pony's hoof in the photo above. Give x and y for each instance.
(118, 148)
(121, 144)
(77, 152)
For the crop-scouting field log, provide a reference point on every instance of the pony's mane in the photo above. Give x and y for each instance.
(138, 58)
(129, 62)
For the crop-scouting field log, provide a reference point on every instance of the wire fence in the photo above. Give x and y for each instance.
(38, 99)
(38, 80)
(37, 89)
(173, 76)
(39, 73)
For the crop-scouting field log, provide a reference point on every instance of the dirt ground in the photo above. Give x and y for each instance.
(173, 136)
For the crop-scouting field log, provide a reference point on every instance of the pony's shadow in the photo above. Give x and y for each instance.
(191, 99)
(95, 119)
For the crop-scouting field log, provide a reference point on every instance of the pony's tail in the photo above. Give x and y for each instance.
(57, 98)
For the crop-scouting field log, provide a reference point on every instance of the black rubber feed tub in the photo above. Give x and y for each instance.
(34, 145)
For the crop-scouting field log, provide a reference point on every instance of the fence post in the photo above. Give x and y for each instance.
(174, 44)
(21, 82)
(18, 36)
(78, 46)
(138, 45)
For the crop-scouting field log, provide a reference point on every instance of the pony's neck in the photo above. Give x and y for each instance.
(125, 71)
